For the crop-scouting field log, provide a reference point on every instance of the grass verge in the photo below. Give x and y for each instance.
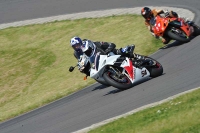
(34, 60)
(180, 115)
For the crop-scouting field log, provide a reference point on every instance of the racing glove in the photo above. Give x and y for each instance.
(81, 64)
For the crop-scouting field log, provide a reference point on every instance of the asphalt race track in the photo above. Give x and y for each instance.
(97, 103)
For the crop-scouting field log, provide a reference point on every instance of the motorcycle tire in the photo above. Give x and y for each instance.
(196, 30)
(103, 83)
(156, 70)
(177, 37)
(114, 83)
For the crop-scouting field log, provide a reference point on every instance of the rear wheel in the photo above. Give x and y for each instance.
(196, 30)
(155, 70)
(121, 82)
(178, 35)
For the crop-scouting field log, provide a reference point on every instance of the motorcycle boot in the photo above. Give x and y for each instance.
(141, 60)
(138, 60)
(166, 40)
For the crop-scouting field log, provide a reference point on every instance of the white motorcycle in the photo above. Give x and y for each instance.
(119, 71)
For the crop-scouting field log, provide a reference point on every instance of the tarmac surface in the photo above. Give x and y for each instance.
(98, 103)
(94, 14)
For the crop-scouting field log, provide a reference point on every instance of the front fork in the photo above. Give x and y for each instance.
(115, 71)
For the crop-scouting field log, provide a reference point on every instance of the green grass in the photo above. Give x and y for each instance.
(34, 60)
(180, 115)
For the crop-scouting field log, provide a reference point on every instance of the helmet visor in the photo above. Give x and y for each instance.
(76, 46)
(148, 16)
(89, 51)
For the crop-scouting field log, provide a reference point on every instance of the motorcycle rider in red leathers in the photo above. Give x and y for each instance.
(147, 13)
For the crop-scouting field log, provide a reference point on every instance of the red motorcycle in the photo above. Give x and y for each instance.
(174, 28)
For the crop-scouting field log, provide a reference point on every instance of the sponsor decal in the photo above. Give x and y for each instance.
(158, 24)
(129, 69)
(144, 72)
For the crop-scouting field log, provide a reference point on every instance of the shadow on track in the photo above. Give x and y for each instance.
(175, 44)
(135, 84)
(99, 87)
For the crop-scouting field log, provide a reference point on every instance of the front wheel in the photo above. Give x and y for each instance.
(122, 82)
(103, 83)
(177, 34)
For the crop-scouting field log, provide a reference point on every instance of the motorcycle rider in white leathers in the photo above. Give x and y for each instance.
(86, 46)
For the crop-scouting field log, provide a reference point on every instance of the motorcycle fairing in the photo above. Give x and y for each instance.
(133, 73)
(130, 69)
(141, 73)
(160, 24)
(180, 23)
(103, 60)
